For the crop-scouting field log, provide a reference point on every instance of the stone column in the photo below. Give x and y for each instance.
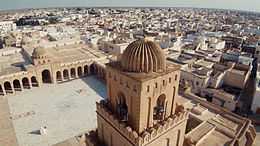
(62, 77)
(30, 83)
(4, 92)
(69, 74)
(12, 86)
(54, 78)
(21, 84)
(76, 72)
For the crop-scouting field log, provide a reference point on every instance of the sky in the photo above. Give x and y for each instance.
(249, 5)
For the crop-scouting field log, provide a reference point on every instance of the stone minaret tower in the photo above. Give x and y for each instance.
(141, 105)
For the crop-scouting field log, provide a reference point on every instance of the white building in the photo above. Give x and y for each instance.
(6, 26)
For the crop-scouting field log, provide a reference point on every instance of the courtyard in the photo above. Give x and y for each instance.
(67, 109)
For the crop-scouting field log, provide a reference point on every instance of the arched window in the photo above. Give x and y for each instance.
(159, 109)
(121, 108)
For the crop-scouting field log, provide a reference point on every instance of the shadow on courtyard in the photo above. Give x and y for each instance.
(35, 132)
(97, 85)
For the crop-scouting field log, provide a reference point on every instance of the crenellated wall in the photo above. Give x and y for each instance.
(109, 125)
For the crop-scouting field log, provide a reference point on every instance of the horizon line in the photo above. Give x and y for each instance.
(59, 7)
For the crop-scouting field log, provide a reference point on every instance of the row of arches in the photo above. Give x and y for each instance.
(158, 109)
(72, 73)
(9, 87)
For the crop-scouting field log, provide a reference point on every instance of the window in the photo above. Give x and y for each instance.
(176, 77)
(135, 88)
(163, 82)
(170, 80)
(148, 88)
(122, 110)
(156, 85)
(159, 109)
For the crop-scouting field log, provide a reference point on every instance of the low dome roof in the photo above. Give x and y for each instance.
(38, 52)
(143, 56)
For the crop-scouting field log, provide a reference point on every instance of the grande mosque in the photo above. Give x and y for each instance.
(142, 105)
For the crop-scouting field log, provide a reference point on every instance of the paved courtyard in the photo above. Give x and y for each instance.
(7, 134)
(66, 109)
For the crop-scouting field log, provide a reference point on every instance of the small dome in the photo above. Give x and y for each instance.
(38, 52)
(143, 56)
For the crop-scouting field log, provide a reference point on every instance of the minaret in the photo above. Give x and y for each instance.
(142, 93)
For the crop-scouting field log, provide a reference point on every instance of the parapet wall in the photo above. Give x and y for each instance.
(146, 136)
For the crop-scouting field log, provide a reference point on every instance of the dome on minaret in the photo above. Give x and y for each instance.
(143, 56)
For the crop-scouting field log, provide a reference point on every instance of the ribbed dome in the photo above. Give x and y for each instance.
(143, 56)
(38, 52)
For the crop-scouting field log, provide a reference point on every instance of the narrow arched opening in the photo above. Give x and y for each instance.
(121, 107)
(66, 74)
(17, 85)
(26, 83)
(79, 71)
(58, 76)
(34, 81)
(8, 87)
(85, 70)
(46, 76)
(159, 109)
(73, 73)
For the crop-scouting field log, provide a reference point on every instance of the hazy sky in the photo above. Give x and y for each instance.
(252, 5)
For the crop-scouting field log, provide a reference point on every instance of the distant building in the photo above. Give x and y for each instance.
(6, 26)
